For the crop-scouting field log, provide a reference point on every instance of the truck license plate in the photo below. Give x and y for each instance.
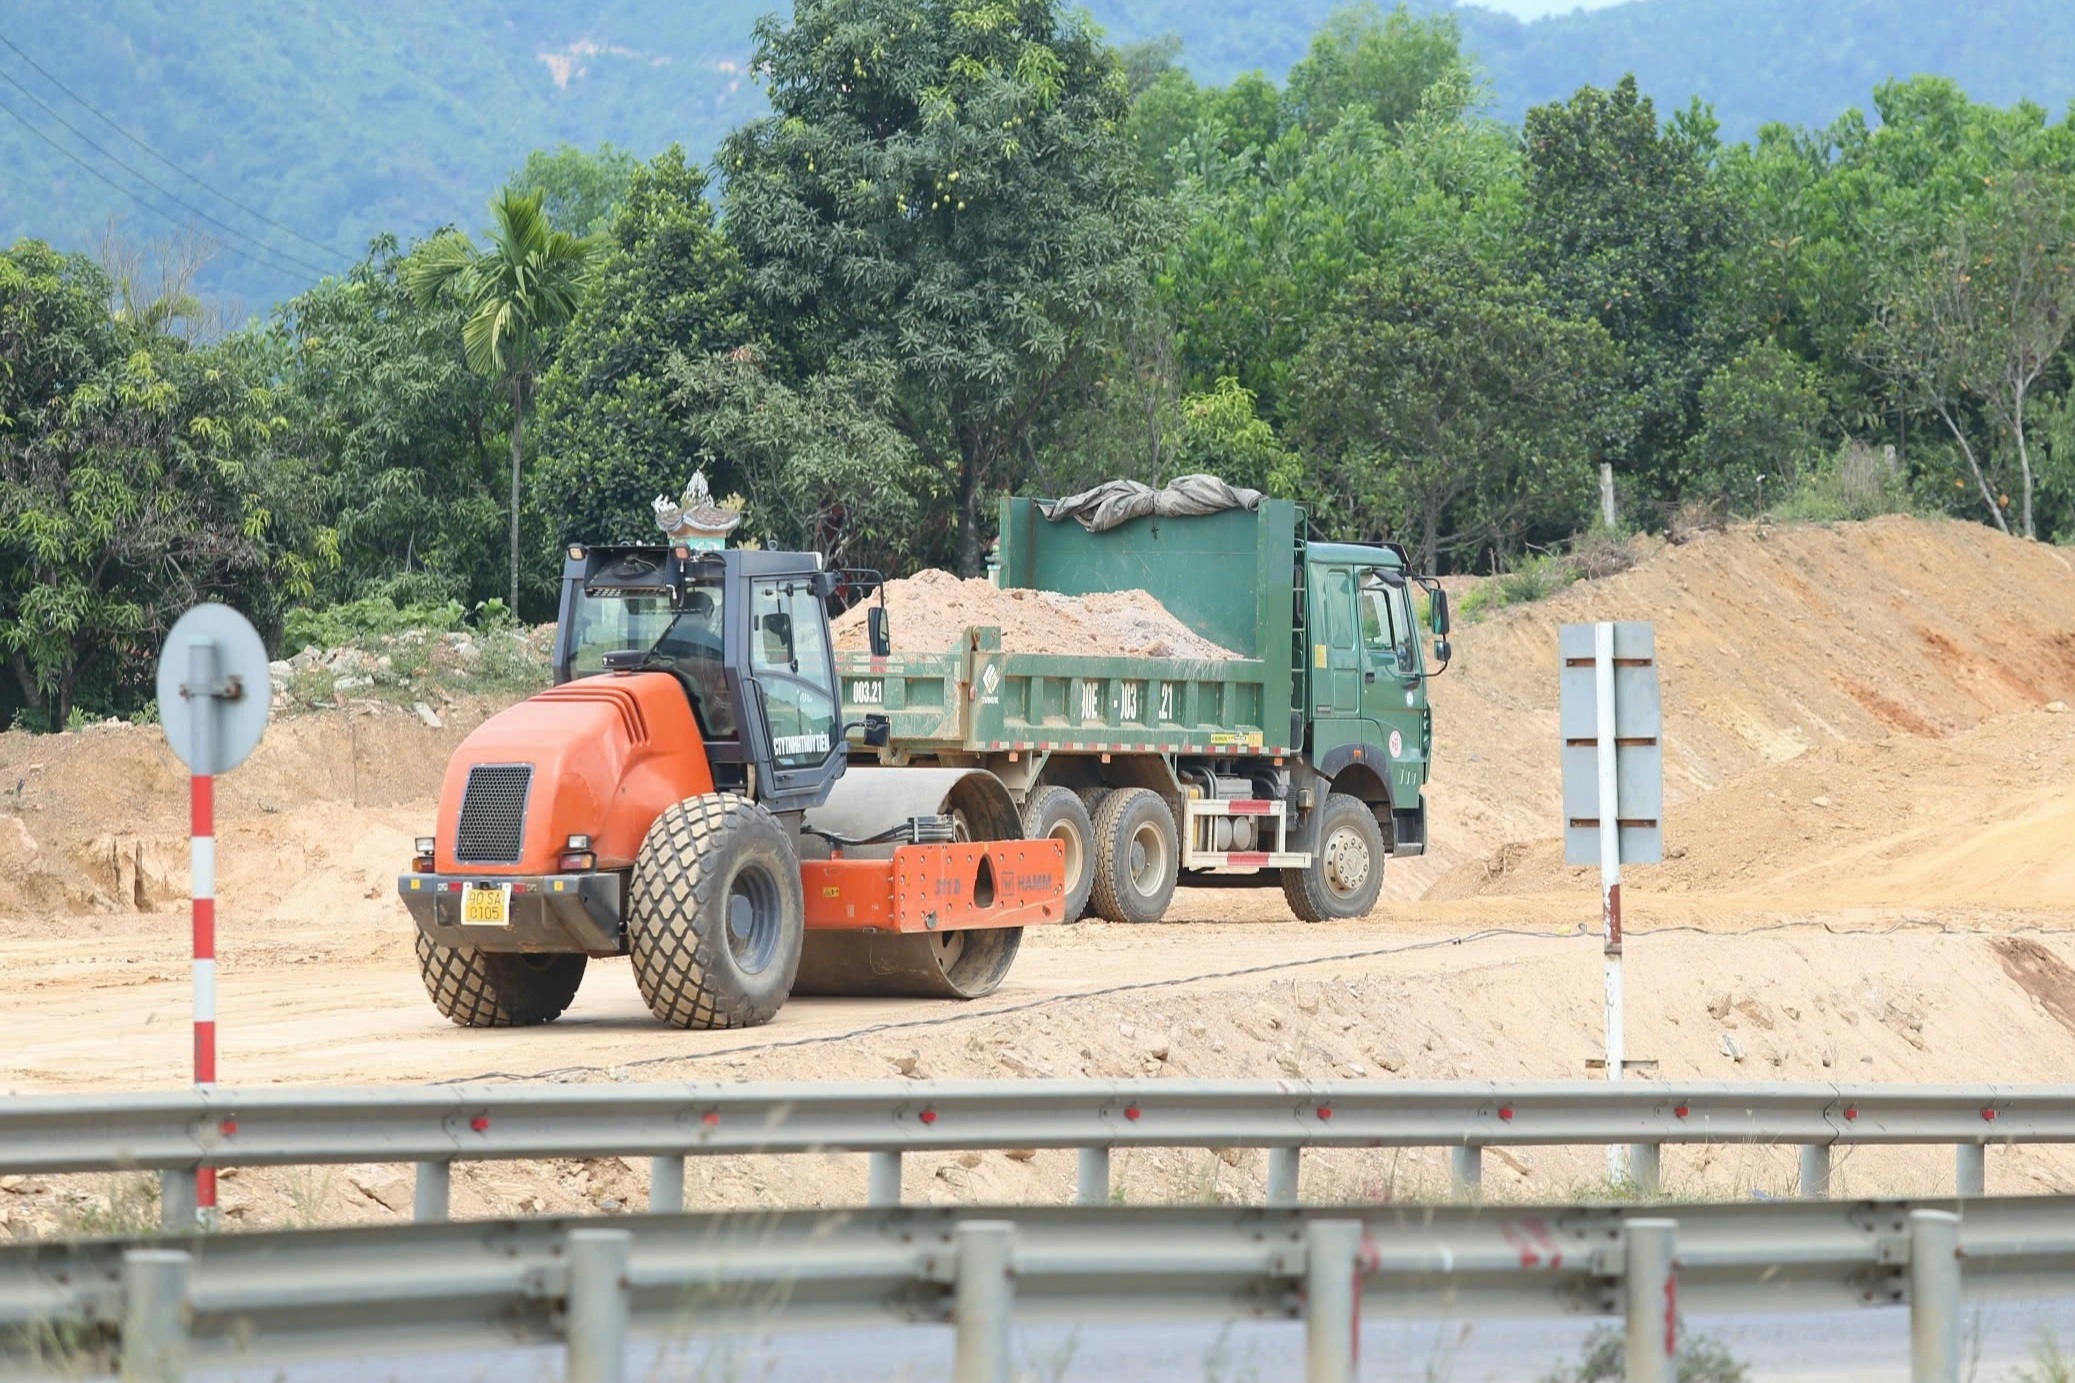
(486, 905)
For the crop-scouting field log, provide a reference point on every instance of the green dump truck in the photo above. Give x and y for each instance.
(1302, 763)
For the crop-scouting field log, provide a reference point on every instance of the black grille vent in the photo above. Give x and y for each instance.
(493, 814)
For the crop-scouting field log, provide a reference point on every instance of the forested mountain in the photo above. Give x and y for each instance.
(337, 122)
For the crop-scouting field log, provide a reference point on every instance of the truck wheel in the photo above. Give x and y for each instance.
(715, 914)
(1346, 870)
(1136, 859)
(1057, 814)
(497, 989)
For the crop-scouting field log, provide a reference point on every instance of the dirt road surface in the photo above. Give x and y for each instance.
(1872, 770)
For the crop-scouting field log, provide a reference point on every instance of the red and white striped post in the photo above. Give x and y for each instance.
(202, 688)
(214, 697)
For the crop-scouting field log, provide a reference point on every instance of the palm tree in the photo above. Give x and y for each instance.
(526, 283)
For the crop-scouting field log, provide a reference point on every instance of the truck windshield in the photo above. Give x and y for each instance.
(682, 638)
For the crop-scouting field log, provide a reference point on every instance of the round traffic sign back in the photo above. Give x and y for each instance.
(213, 689)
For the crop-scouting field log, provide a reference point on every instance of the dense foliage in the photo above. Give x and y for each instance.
(974, 249)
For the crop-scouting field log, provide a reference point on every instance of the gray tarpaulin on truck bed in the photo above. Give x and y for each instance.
(1117, 502)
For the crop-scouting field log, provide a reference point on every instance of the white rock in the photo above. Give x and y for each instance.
(2056, 708)
(1731, 1048)
(427, 714)
(345, 684)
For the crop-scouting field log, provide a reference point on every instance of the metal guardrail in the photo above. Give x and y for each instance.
(437, 1126)
(164, 1304)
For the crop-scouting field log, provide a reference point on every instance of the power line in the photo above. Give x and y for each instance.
(95, 112)
(172, 197)
(103, 177)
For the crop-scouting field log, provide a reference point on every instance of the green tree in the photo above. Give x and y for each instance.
(1976, 335)
(527, 282)
(1762, 419)
(1271, 242)
(580, 190)
(1444, 403)
(820, 466)
(943, 185)
(668, 283)
(399, 433)
(1221, 434)
(138, 475)
(1625, 225)
(1384, 64)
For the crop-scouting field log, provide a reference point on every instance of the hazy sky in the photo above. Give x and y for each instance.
(1535, 9)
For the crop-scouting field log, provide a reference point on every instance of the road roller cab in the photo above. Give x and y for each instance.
(681, 796)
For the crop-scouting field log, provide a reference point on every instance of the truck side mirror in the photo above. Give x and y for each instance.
(1437, 611)
(881, 637)
(878, 731)
(1443, 653)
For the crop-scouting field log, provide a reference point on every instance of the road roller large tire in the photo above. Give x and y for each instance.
(497, 989)
(1346, 872)
(1137, 858)
(715, 914)
(1055, 813)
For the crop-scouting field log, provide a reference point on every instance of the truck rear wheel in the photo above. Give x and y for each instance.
(715, 914)
(1136, 856)
(1346, 872)
(497, 989)
(1056, 813)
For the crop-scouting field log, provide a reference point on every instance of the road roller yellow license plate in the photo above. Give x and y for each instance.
(483, 906)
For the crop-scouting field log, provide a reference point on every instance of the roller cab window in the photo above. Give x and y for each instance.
(789, 657)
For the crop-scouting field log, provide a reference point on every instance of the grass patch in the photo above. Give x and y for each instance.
(1603, 1360)
(1856, 482)
(1592, 556)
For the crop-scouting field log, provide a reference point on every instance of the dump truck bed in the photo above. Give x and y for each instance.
(977, 699)
(1228, 576)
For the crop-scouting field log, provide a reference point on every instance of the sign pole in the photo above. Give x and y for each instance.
(212, 675)
(202, 690)
(1609, 865)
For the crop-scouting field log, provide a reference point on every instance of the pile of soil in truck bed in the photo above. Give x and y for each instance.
(928, 609)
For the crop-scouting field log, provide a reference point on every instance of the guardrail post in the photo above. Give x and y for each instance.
(1466, 1169)
(1331, 1294)
(665, 1185)
(179, 1204)
(1934, 1296)
(433, 1191)
(1283, 1166)
(154, 1312)
(983, 1302)
(1815, 1171)
(1092, 1185)
(598, 1306)
(883, 1180)
(1970, 1170)
(1651, 1299)
(1646, 1169)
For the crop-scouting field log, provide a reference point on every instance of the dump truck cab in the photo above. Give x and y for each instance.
(1370, 729)
(681, 795)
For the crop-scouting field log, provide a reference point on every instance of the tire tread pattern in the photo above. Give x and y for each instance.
(1305, 889)
(487, 989)
(1112, 897)
(676, 915)
(1045, 808)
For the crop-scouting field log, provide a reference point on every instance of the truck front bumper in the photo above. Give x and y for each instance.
(557, 912)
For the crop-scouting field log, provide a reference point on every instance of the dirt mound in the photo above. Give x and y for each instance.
(94, 821)
(1774, 644)
(928, 609)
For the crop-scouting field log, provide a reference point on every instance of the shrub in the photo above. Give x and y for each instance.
(1699, 1360)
